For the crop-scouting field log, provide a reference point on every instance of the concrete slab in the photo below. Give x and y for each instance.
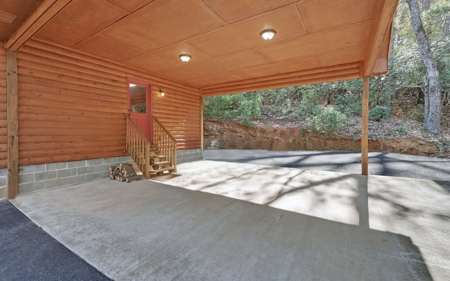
(298, 225)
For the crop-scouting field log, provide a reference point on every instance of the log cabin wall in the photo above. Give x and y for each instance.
(3, 128)
(71, 105)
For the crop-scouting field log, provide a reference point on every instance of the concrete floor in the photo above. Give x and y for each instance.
(288, 224)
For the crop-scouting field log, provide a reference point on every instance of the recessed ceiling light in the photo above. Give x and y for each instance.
(185, 58)
(268, 34)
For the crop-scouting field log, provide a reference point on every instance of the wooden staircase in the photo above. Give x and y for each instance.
(154, 158)
(158, 162)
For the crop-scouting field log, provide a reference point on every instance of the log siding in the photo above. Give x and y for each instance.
(71, 106)
(3, 106)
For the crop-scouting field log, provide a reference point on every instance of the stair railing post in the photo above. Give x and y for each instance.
(147, 160)
(175, 158)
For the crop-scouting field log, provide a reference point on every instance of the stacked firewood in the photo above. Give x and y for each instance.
(123, 172)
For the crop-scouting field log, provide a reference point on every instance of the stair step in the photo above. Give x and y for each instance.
(162, 170)
(160, 163)
(157, 156)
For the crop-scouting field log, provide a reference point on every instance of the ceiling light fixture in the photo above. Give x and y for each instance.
(185, 58)
(161, 92)
(268, 34)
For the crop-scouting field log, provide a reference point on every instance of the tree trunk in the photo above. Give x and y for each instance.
(432, 121)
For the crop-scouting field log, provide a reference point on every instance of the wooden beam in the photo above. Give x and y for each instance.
(277, 84)
(287, 80)
(13, 125)
(365, 127)
(43, 14)
(380, 31)
(327, 69)
(201, 122)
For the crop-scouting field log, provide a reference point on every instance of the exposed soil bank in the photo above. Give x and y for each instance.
(291, 138)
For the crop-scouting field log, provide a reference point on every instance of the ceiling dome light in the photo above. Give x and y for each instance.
(268, 34)
(185, 58)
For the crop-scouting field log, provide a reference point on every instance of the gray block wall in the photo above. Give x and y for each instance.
(43, 176)
(191, 155)
(3, 180)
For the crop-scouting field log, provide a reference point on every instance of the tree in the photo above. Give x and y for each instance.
(433, 96)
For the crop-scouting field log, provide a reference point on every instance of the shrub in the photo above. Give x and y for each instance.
(327, 121)
(379, 113)
(417, 113)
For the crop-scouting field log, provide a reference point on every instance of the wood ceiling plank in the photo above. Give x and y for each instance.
(274, 85)
(245, 34)
(227, 63)
(215, 78)
(130, 5)
(343, 56)
(107, 48)
(328, 14)
(281, 81)
(79, 20)
(7, 17)
(40, 17)
(281, 67)
(318, 43)
(164, 22)
(235, 10)
(22, 9)
(306, 72)
(181, 74)
(380, 31)
(166, 58)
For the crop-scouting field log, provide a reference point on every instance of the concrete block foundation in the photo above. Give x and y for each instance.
(184, 156)
(43, 176)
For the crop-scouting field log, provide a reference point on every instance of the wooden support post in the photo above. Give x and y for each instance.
(13, 125)
(201, 123)
(147, 160)
(365, 127)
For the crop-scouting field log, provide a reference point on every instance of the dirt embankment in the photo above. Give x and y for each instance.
(290, 138)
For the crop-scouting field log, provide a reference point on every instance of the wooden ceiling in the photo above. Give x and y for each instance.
(13, 13)
(223, 38)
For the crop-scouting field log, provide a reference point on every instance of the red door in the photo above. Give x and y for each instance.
(140, 105)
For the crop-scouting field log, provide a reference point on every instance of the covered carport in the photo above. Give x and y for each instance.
(232, 221)
(205, 47)
(280, 223)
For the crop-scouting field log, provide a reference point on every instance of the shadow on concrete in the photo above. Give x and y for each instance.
(165, 177)
(190, 235)
(387, 164)
(398, 206)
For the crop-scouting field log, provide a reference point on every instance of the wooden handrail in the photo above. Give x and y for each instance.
(138, 146)
(165, 142)
(135, 127)
(165, 130)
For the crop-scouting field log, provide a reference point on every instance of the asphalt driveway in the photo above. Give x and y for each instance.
(380, 163)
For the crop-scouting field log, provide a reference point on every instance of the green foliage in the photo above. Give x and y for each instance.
(379, 113)
(327, 121)
(312, 102)
(417, 114)
(243, 107)
(400, 130)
